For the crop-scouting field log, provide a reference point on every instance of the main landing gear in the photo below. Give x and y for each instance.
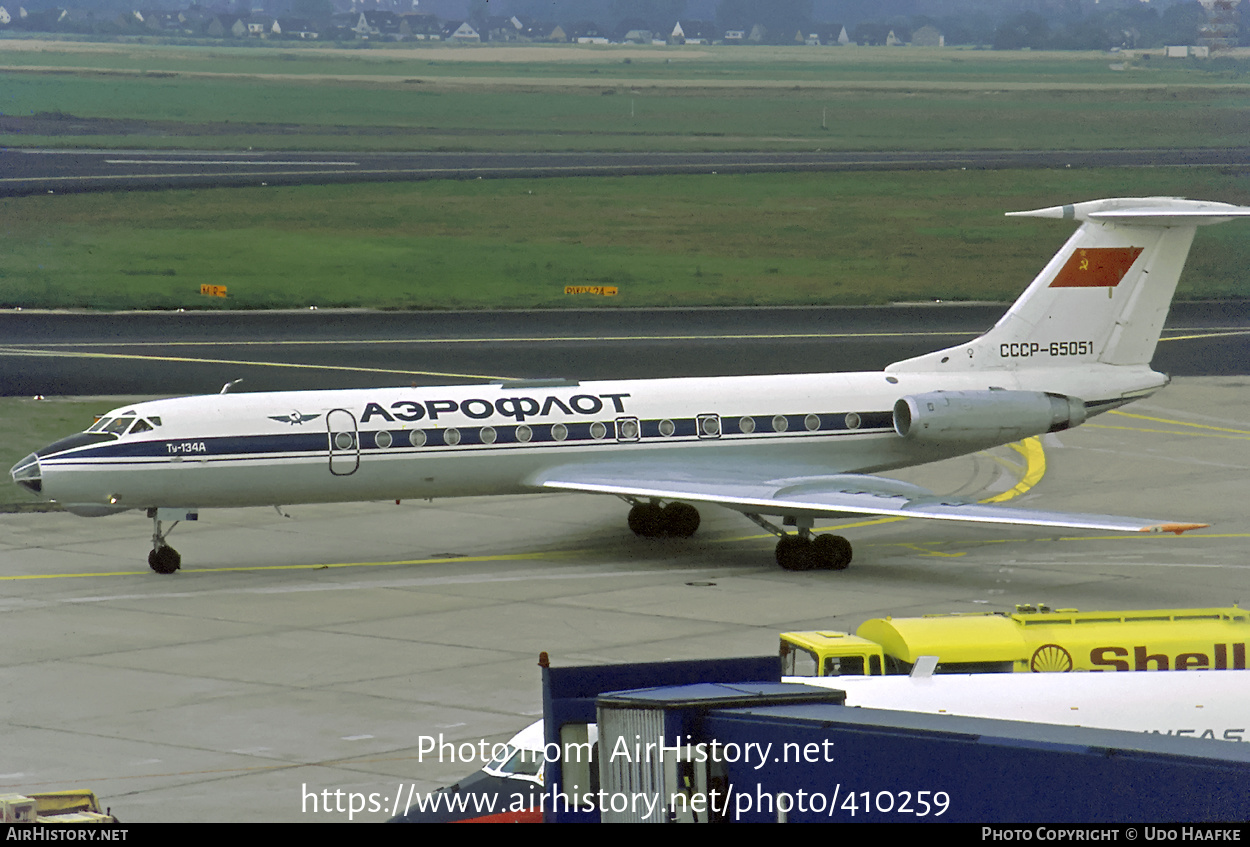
(805, 552)
(651, 520)
(801, 551)
(163, 558)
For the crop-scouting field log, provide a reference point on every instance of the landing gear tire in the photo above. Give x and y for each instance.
(681, 520)
(646, 520)
(676, 520)
(164, 559)
(795, 554)
(831, 552)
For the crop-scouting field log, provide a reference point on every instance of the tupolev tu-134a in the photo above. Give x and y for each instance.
(1076, 343)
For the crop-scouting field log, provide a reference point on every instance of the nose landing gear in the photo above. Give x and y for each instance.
(163, 559)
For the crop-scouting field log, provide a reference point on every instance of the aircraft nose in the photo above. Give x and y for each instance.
(27, 473)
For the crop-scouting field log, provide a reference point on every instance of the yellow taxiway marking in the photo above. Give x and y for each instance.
(1179, 423)
(529, 339)
(17, 351)
(1245, 437)
(1034, 469)
(552, 554)
(58, 349)
(504, 339)
(1212, 334)
(919, 548)
(841, 526)
(1128, 536)
(561, 554)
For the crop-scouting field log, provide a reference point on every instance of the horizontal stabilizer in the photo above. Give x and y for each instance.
(1143, 211)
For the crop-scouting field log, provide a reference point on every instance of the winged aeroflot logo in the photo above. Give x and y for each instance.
(296, 417)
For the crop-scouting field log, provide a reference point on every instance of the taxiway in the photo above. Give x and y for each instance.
(297, 655)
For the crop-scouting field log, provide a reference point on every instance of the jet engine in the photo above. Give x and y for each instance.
(994, 416)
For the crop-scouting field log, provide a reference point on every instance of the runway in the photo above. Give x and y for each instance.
(312, 653)
(42, 171)
(189, 353)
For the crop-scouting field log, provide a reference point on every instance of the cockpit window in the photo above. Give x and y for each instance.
(498, 762)
(118, 426)
(514, 760)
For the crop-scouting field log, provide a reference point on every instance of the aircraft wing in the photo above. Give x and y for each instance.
(758, 489)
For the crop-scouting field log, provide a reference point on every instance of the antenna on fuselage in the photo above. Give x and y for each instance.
(225, 389)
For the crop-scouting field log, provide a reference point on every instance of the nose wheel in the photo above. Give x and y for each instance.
(163, 558)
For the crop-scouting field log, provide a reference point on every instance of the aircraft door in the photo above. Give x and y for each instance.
(344, 442)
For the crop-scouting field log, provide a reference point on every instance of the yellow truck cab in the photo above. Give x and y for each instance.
(1033, 638)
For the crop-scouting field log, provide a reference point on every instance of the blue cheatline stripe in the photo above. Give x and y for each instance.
(292, 445)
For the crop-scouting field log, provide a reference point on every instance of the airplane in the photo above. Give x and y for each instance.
(1077, 342)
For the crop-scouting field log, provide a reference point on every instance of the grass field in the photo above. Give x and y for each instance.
(441, 97)
(750, 65)
(668, 240)
(673, 240)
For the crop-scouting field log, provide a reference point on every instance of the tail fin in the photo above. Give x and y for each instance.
(1102, 298)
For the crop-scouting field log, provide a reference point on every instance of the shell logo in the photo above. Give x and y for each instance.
(1050, 658)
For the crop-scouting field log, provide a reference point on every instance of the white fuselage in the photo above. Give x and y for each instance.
(392, 443)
